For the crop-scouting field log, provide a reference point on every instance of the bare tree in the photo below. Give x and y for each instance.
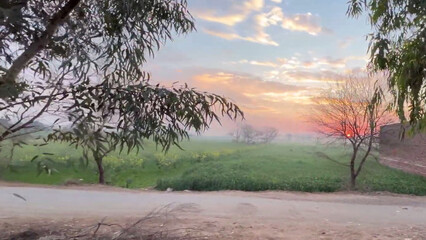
(269, 134)
(236, 135)
(250, 135)
(352, 111)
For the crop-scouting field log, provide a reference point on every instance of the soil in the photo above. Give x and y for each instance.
(35, 212)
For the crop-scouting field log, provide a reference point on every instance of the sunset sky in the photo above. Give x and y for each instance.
(268, 56)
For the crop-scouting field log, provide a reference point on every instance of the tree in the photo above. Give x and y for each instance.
(269, 134)
(18, 140)
(84, 60)
(162, 115)
(24, 111)
(236, 135)
(398, 45)
(349, 111)
(249, 135)
(81, 40)
(111, 37)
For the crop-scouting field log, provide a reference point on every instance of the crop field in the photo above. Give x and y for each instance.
(207, 165)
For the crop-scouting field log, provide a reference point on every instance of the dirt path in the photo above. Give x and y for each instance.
(230, 214)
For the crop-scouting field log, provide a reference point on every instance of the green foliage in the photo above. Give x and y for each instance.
(214, 177)
(397, 46)
(87, 64)
(86, 37)
(126, 115)
(290, 167)
(215, 165)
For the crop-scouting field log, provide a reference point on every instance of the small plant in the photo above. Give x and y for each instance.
(63, 158)
(205, 156)
(165, 161)
(115, 162)
(128, 182)
(136, 162)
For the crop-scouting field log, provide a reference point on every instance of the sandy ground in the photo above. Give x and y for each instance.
(220, 215)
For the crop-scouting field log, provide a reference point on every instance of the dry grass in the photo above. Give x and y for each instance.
(158, 224)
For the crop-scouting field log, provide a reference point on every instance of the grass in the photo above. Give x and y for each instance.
(217, 165)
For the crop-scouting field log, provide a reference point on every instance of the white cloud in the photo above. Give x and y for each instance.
(227, 12)
(296, 63)
(299, 22)
(249, 12)
(259, 37)
(313, 72)
(345, 42)
(257, 63)
(266, 64)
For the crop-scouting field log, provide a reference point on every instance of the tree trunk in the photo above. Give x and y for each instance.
(353, 180)
(352, 167)
(370, 145)
(100, 170)
(353, 175)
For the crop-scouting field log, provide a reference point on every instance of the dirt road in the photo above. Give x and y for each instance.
(230, 214)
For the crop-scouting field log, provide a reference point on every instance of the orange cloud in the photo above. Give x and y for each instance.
(224, 35)
(300, 22)
(241, 85)
(229, 20)
(265, 103)
(302, 97)
(232, 12)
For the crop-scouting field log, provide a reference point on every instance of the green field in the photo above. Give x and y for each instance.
(214, 165)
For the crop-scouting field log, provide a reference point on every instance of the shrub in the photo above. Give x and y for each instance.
(165, 161)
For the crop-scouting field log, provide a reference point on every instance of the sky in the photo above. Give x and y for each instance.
(270, 57)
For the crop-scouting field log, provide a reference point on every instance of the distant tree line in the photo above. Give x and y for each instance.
(248, 134)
